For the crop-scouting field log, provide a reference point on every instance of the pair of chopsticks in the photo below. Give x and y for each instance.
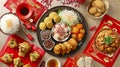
(29, 36)
(29, 25)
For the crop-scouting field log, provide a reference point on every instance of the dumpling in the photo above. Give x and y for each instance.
(12, 43)
(69, 47)
(73, 43)
(57, 49)
(42, 26)
(7, 58)
(64, 48)
(52, 14)
(34, 56)
(23, 49)
(17, 62)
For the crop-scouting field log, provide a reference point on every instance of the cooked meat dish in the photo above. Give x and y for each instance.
(107, 41)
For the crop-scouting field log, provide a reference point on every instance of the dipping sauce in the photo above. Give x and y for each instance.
(24, 11)
(48, 44)
(45, 34)
(52, 63)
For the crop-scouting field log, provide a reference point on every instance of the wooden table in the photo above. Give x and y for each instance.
(114, 11)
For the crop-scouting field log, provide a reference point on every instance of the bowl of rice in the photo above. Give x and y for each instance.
(9, 24)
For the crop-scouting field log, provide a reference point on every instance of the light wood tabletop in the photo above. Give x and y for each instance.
(114, 11)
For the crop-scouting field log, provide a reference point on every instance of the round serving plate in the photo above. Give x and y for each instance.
(81, 20)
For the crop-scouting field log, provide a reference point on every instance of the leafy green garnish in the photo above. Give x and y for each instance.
(108, 40)
(59, 11)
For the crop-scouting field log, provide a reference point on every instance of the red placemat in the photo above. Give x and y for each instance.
(97, 55)
(69, 63)
(37, 7)
(26, 59)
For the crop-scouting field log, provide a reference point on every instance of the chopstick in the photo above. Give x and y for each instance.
(29, 36)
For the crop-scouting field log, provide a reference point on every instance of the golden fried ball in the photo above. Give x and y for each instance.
(98, 3)
(52, 14)
(56, 19)
(98, 14)
(92, 10)
(103, 9)
(42, 26)
(93, 4)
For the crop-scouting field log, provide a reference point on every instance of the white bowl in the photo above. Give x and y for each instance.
(15, 27)
(64, 39)
(49, 59)
(106, 6)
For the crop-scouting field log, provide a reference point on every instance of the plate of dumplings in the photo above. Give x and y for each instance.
(61, 31)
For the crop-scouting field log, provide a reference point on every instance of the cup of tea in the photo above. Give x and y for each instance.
(24, 11)
(52, 62)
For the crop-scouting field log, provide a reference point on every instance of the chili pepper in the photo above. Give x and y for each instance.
(92, 28)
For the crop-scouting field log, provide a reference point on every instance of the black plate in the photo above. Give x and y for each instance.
(82, 20)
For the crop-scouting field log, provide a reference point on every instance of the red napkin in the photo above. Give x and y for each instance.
(70, 63)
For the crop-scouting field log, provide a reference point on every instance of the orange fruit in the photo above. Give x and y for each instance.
(75, 30)
(82, 31)
(79, 26)
(80, 36)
